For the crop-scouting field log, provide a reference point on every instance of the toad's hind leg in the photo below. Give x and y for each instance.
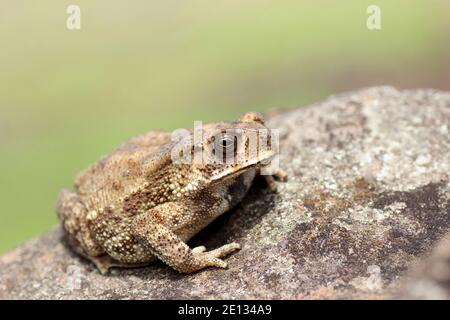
(171, 249)
(72, 215)
(104, 263)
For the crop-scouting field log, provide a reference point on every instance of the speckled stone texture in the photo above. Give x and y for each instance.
(367, 199)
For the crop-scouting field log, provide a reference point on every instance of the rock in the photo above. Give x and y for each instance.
(367, 198)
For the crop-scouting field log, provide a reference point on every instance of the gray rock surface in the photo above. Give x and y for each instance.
(367, 198)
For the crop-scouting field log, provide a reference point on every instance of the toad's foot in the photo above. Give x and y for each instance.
(279, 175)
(211, 258)
(104, 263)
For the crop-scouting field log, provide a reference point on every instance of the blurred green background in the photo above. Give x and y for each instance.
(68, 97)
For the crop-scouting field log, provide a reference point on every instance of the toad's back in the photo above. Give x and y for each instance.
(123, 170)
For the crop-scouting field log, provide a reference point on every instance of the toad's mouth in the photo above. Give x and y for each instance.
(231, 171)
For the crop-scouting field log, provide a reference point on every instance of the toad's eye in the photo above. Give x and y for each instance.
(226, 142)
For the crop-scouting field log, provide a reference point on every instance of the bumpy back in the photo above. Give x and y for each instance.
(120, 172)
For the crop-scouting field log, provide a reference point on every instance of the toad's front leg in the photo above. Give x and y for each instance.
(169, 248)
(279, 175)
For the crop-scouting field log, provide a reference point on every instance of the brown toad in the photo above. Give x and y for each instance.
(152, 194)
